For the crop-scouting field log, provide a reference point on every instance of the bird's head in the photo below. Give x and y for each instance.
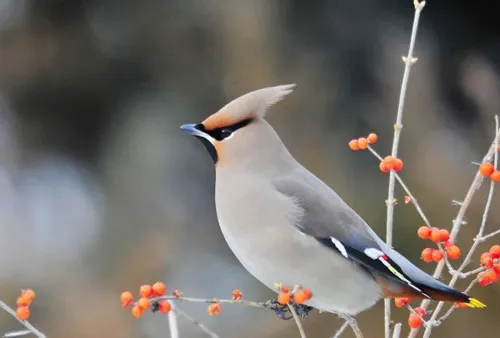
(234, 129)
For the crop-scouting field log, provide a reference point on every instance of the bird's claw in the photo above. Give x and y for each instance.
(283, 311)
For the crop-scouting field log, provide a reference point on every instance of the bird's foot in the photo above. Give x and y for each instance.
(283, 311)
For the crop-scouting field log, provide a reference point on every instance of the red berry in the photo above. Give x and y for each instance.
(486, 169)
(384, 167)
(23, 312)
(126, 298)
(453, 252)
(353, 144)
(424, 232)
(236, 294)
(372, 138)
(495, 251)
(414, 321)
(427, 255)
(362, 143)
(437, 255)
(398, 164)
(435, 235)
(164, 306)
(146, 291)
(159, 289)
(496, 267)
(401, 301)
(486, 260)
(420, 311)
(445, 235)
(495, 177)
(390, 161)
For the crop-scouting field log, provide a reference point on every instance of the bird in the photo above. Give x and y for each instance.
(287, 226)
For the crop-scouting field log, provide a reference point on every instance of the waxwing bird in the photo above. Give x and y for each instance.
(287, 226)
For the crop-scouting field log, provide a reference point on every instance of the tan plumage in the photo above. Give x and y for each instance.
(287, 226)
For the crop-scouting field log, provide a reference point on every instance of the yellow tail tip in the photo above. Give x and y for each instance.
(474, 303)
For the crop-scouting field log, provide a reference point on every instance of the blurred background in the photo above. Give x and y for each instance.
(101, 192)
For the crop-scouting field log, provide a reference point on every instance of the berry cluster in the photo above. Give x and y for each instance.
(437, 236)
(23, 302)
(147, 292)
(391, 163)
(300, 296)
(487, 169)
(491, 261)
(363, 142)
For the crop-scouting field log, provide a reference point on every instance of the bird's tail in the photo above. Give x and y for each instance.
(445, 293)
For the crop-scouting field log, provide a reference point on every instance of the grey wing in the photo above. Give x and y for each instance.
(327, 218)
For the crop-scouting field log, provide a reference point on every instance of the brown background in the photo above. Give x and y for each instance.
(101, 192)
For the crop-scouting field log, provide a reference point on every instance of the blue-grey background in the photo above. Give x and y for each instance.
(101, 192)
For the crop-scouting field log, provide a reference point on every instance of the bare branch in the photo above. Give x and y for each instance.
(200, 325)
(395, 145)
(25, 323)
(341, 329)
(297, 321)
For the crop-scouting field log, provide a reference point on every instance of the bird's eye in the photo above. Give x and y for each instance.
(225, 133)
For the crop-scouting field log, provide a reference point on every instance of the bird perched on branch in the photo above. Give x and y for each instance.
(287, 226)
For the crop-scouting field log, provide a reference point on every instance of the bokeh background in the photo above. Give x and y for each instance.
(101, 192)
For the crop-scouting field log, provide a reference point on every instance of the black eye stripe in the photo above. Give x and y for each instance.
(224, 132)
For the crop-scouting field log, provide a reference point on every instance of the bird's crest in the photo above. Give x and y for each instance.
(249, 106)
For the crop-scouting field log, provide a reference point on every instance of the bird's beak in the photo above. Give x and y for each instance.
(194, 129)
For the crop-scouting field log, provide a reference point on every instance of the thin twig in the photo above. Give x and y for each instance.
(395, 145)
(480, 233)
(417, 207)
(457, 223)
(396, 333)
(297, 321)
(200, 325)
(172, 322)
(485, 237)
(454, 307)
(25, 323)
(341, 329)
(354, 327)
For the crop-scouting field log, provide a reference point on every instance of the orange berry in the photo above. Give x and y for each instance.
(126, 298)
(437, 255)
(362, 143)
(23, 312)
(486, 260)
(414, 321)
(495, 251)
(384, 167)
(390, 162)
(237, 294)
(424, 232)
(284, 298)
(146, 291)
(398, 164)
(372, 138)
(496, 267)
(159, 289)
(491, 276)
(435, 235)
(308, 293)
(420, 311)
(453, 252)
(445, 235)
(143, 303)
(23, 300)
(284, 289)
(486, 169)
(353, 144)
(301, 296)
(214, 309)
(448, 244)
(495, 177)
(137, 311)
(427, 255)
(401, 301)
(164, 306)
(28, 293)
